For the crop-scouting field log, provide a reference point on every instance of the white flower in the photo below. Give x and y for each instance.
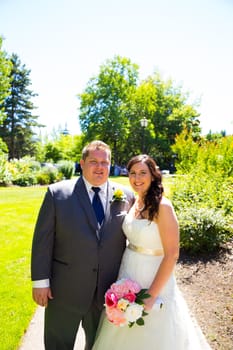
(133, 312)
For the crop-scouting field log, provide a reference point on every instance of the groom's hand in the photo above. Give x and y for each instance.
(41, 295)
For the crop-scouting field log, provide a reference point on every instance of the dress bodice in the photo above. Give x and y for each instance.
(142, 232)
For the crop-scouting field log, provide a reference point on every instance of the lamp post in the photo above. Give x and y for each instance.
(144, 124)
(65, 132)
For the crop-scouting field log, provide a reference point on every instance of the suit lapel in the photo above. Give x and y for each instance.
(110, 191)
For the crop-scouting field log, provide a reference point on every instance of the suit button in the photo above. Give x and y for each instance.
(94, 270)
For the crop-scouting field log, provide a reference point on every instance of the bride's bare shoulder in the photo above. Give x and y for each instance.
(165, 202)
(165, 206)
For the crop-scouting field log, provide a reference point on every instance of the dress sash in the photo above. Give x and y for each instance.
(147, 251)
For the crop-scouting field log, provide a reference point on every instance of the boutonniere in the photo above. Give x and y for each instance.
(119, 196)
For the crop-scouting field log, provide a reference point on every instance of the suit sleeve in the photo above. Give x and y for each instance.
(43, 240)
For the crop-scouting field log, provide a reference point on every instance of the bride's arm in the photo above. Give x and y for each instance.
(169, 233)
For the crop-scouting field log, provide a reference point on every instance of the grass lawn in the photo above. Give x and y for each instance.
(19, 209)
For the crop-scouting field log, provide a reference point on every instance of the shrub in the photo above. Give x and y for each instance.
(66, 167)
(203, 190)
(48, 174)
(5, 174)
(34, 165)
(225, 197)
(23, 171)
(25, 179)
(203, 229)
(203, 203)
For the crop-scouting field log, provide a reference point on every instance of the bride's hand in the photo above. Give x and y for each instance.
(148, 303)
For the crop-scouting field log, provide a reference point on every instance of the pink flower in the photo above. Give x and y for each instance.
(131, 297)
(119, 289)
(124, 303)
(116, 316)
(124, 286)
(110, 299)
(132, 286)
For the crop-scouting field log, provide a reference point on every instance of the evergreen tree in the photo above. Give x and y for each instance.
(5, 66)
(17, 127)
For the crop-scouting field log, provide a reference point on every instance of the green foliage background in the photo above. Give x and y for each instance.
(202, 192)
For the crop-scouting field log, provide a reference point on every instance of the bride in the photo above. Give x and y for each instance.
(152, 231)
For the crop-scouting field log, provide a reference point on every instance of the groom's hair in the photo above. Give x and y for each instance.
(96, 145)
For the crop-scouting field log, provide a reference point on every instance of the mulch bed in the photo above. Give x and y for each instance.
(207, 284)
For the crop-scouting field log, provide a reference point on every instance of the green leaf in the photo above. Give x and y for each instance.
(131, 324)
(140, 322)
(143, 294)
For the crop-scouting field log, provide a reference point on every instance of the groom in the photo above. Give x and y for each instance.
(75, 258)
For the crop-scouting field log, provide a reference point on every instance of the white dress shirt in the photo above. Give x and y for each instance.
(102, 193)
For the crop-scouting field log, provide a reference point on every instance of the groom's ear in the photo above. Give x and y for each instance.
(81, 162)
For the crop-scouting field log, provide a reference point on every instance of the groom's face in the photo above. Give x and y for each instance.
(95, 167)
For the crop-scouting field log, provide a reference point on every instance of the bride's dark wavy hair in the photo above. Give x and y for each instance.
(155, 192)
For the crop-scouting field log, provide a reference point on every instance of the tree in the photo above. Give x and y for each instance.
(52, 153)
(17, 127)
(103, 103)
(114, 103)
(5, 66)
(165, 107)
(186, 150)
(3, 148)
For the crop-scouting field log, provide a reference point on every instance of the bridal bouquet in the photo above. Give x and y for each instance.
(124, 303)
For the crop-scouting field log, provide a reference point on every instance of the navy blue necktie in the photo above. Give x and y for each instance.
(97, 205)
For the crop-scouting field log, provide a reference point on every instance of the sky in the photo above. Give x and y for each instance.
(64, 42)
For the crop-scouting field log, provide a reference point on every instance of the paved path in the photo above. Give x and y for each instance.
(33, 339)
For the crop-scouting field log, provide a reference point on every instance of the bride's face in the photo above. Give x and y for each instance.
(140, 178)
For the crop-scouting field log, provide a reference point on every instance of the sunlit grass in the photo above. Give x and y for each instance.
(19, 208)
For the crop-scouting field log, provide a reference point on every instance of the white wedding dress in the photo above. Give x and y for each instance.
(168, 328)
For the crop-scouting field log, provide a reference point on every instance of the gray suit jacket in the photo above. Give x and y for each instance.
(65, 246)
